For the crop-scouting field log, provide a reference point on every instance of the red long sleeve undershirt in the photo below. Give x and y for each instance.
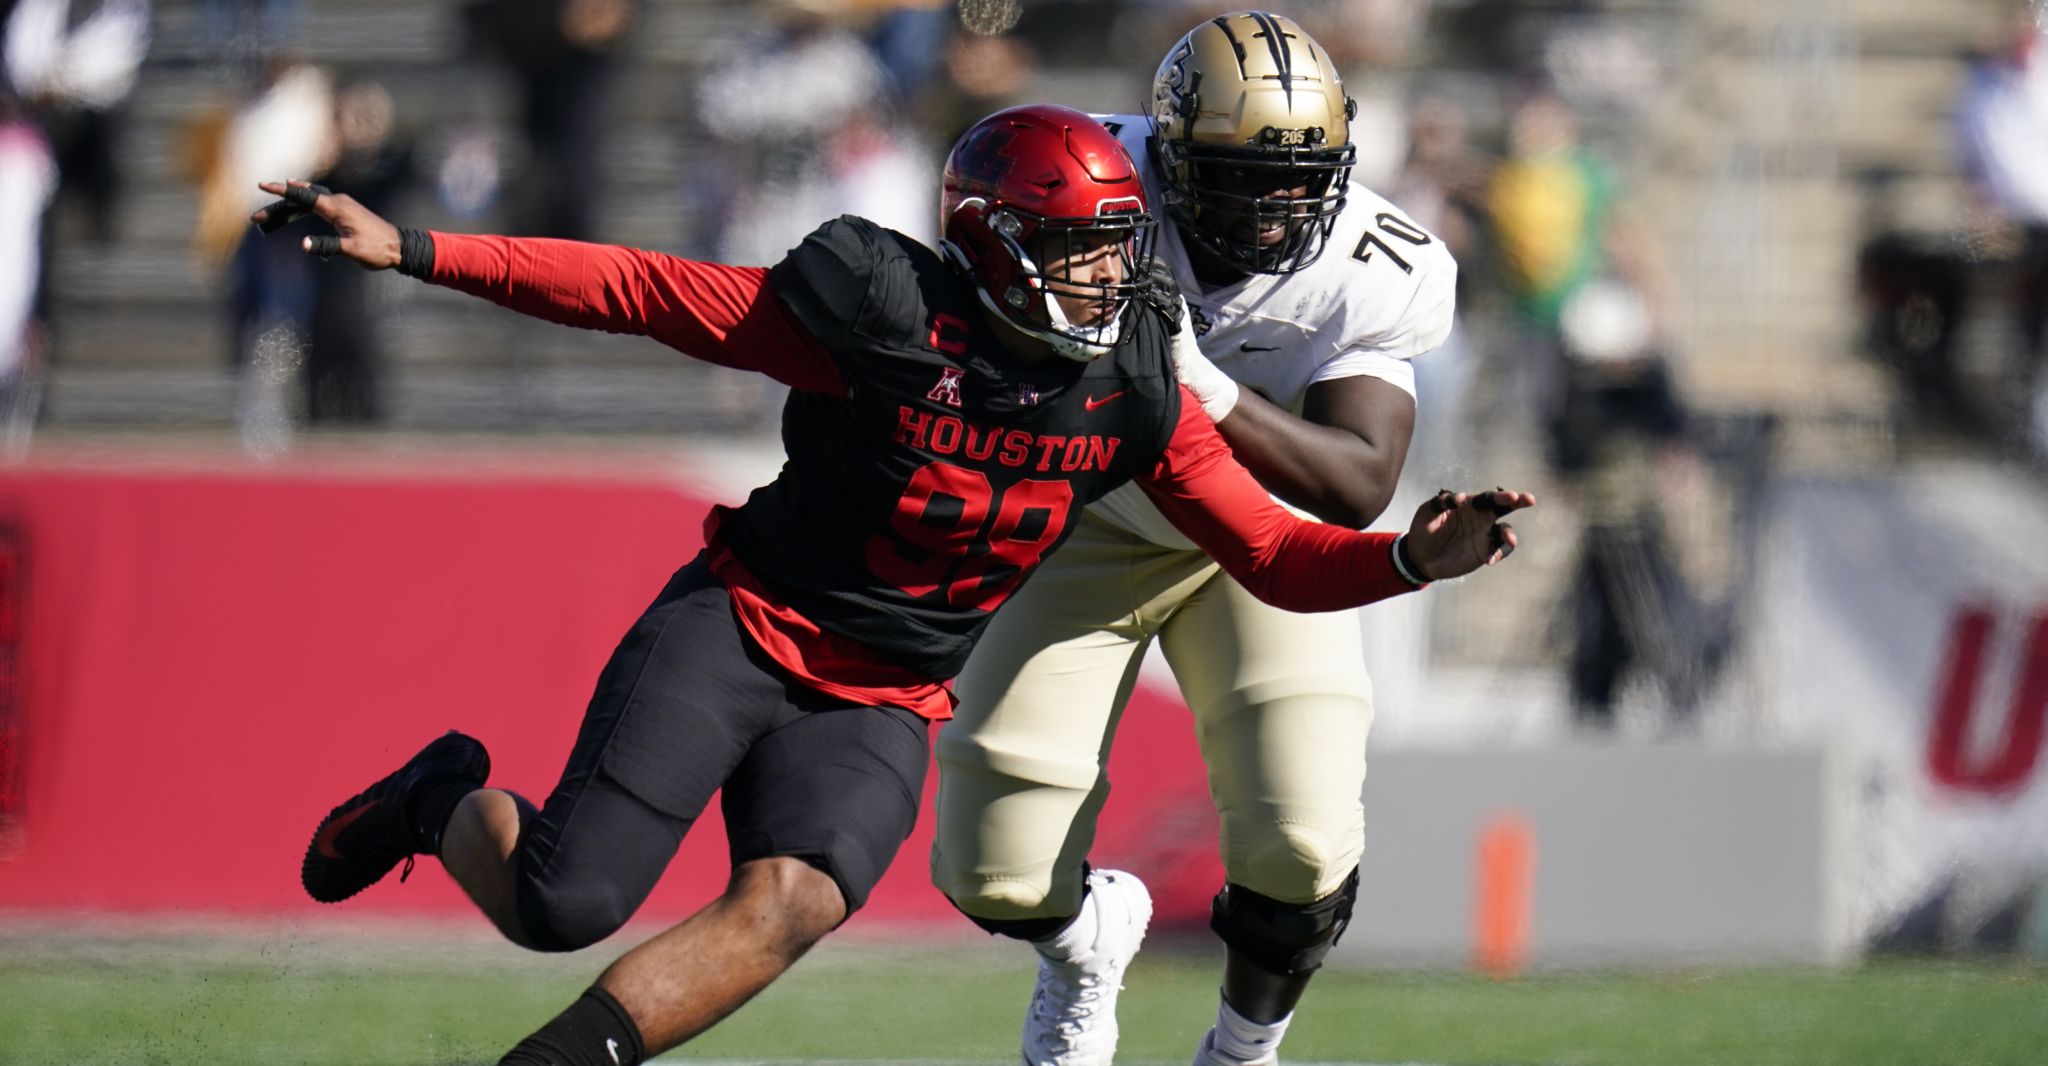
(708, 311)
(720, 314)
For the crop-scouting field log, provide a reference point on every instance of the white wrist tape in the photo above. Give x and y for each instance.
(1214, 388)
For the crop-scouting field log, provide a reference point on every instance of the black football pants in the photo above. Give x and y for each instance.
(687, 705)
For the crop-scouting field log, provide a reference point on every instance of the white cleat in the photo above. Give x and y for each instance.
(1207, 1055)
(1072, 1021)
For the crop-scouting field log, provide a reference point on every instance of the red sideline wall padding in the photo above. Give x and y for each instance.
(211, 658)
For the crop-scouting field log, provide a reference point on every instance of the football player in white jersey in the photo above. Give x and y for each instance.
(1308, 295)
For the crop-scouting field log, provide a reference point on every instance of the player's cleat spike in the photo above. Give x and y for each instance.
(361, 840)
(1072, 1020)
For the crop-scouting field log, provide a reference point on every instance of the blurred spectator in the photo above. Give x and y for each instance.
(1621, 447)
(909, 41)
(1373, 43)
(1442, 188)
(74, 62)
(984, 74)
(826, 142)
(1558, 224)
(344, 350)
(2004, 139)
(466, 181)
(807, 150)
(1549, 200)
(283, 126)
(243, 34)
(1381, 34)
(565, 55)
(1915, 288)
(28, 179)
(1442, 184)
(878, 172)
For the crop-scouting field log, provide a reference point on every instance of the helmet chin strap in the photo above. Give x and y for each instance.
(1064, 338)
(1076, 342)
(1063, 345)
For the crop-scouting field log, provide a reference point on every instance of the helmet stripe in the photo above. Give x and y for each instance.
(1236, 46)
(1276, 43)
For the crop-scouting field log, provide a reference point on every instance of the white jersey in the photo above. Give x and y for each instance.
(1382, 292)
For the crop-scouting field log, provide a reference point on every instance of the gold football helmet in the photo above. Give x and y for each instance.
(1252, 132)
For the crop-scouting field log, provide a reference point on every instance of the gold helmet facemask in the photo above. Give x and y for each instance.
(1252, 132)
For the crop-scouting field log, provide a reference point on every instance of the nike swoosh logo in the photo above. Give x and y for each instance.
(1250, 347)
(1094, 403)
(324, 843)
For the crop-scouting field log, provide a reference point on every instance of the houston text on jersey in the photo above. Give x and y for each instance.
(950, 435)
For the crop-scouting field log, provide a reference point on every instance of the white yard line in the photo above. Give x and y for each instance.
(941, 1062)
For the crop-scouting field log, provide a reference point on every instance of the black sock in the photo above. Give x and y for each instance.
(429, 811)
(594, 1031)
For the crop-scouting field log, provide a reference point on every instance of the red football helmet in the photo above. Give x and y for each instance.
(1031, 188)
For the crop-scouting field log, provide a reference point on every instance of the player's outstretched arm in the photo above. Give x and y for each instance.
(1301, 565)
(717, 313)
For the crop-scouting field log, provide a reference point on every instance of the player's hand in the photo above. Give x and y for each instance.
(358, 233)
(1213, 388)
(1455, 533)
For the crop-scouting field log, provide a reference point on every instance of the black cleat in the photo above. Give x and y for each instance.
(361, 840)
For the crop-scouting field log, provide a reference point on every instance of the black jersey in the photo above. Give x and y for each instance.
(913, 505)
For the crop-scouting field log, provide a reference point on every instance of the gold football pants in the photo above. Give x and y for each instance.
(1281, 706)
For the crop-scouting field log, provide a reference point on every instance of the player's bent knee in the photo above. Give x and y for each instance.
(1000, 902)
(1298, 861)
(1282, 938)
(1018, 922)
(572, 915)
(805, 900)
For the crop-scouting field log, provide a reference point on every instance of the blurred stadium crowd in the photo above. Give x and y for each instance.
(1699, 241)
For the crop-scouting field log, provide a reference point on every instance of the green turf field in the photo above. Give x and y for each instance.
(88, 1000)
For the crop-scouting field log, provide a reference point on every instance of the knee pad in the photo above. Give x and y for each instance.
(1297, 859)
(999, 905)
(1016, 909)
(571, 917)
(1282, 938)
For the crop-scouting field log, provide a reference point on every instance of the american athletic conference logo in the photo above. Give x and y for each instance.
(947, 391)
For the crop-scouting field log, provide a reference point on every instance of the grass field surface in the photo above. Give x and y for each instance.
(290, 996)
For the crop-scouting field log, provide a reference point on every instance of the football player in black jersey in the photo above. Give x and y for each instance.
(950, 413)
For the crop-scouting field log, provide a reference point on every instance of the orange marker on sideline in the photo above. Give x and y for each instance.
(1506, 875)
